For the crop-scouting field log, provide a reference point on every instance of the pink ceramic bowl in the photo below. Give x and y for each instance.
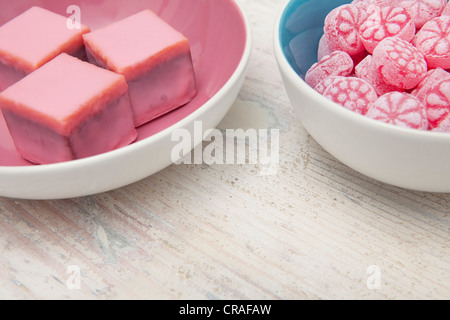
(221, 43)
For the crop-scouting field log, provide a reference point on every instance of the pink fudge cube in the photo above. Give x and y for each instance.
(68, 109)
(32, 39)
(154, 58)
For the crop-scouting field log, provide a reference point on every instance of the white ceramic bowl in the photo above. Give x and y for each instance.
(220, 65)
(407, 158)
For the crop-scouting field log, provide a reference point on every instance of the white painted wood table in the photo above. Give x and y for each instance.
(313, 230)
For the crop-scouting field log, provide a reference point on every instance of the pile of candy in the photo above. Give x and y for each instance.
(387, 60)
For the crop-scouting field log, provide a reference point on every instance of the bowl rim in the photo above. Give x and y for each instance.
(335, 108)
(143, 144)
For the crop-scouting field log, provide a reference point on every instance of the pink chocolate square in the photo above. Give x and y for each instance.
(68, 109)
(32, 39)
(154, 58)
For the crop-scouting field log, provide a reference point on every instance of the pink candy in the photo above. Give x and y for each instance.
(324, 84)
(438, 103)
(367, 70)
(324, 48)
(364, 4)
(336, 64)
(400, 63)
(342, 29)
(433, 77)
(433, 41)
(423, 10)
(386, 59)
(444, 126)
(446, 11)
(352, 93)
(384, 22)
(400, 109)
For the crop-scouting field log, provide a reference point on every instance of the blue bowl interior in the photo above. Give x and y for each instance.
(301, 28)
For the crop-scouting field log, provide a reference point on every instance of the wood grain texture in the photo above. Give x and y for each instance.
(310, 231)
